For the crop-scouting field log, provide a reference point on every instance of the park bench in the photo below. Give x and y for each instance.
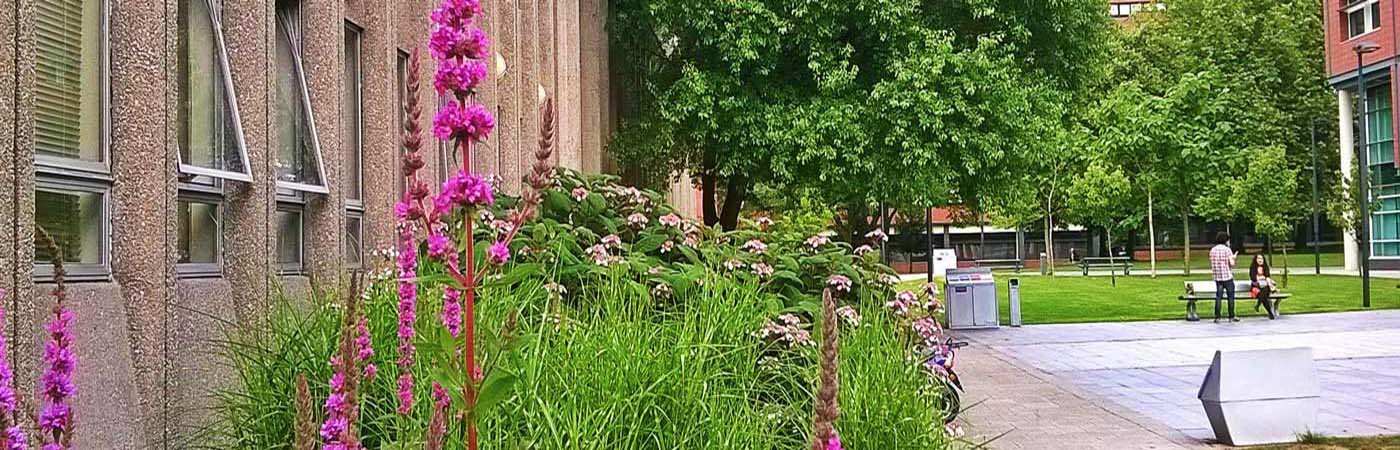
(1106, 262)
(1001, 264)
(1205, 291)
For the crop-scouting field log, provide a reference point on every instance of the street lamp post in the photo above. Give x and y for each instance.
(1316, 224)
(1364, 177)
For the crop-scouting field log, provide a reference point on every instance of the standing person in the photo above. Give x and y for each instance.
(1222, 266)
(1263, 285)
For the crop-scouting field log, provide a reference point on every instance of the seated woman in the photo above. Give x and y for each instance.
(1263, 286)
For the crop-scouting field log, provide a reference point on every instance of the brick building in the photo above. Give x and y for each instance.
(196, 157)
(1347, 25)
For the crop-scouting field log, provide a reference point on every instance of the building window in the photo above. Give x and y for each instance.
(72, 175)
(76, 216)
(354, 240)
(401, 94)
(298, 150)
(289, 238)
(1385, 182)
(1122, 10)
(1363, 16)
(351, 117)
(198, 235)
(210, 135)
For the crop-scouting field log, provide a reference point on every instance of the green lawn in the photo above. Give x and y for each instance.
(1095, 299)
(1328, 443)
(1297, 263)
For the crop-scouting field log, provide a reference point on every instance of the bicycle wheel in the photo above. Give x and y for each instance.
(952, 402)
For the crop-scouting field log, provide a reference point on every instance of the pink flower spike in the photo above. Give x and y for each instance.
(834, 443)
(499, 253)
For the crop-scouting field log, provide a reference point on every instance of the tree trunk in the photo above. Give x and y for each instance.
(1285, 266)
(1151, 235)
(1186, 238)
(1112, 271)
(707, 188)
(734, 194)
(1049, 235)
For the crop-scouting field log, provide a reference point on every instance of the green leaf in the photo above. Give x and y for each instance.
(498, 387)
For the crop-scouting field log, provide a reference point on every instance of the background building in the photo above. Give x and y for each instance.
(1348, 23)
(196, 157)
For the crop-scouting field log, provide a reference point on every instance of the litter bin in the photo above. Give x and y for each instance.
(1013, 293)
(972, 299)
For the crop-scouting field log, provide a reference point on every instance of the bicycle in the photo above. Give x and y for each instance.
(941, 358)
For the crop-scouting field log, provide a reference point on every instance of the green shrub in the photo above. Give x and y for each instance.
(633, 348)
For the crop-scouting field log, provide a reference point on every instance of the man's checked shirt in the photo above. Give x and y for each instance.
(1222, 263)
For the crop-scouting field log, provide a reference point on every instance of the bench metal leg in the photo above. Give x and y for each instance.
(1191, 315)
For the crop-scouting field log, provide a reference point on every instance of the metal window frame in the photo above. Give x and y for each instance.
(1370, 20)
(358, 202)
(216, 268)
(298, 267)
(360, 236)
(300, 72)
(226, 75)
(78, 167)
(101, 271)
(73, 175)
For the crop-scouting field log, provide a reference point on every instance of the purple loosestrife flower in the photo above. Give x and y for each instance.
(16, 439)
(408, 311)
(450, 42)
(13, 437)
(459, 78)
(455, 121)
(366, 348)
(56, 384)
(499, 253)
(834, 443)
(456, 13)
(452, 310)
(439, 245)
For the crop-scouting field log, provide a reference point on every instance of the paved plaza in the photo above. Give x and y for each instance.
(1133, 385)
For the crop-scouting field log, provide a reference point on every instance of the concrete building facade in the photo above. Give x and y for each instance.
(195, 158)
(1349, 25)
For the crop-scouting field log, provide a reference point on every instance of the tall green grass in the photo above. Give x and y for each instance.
(610, 368)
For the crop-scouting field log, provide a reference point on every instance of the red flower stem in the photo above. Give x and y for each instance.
(470, 310)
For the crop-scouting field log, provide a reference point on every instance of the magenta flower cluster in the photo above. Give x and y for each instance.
(452, 310)
(408, 307)
(13, 437)
(463, 189)
(455, 121)
(57, 386)
(341, 411)
(459, 78)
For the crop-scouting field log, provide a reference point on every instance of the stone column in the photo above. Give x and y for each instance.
(1347, 152)
(323, 27)
(143, 195)
(568, 78)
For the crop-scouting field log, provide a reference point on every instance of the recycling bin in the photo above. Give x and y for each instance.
(972, 299)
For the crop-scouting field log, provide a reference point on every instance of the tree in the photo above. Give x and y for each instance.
(1101, 196)
(1235, 75)
(896, 101)
(1268, 195)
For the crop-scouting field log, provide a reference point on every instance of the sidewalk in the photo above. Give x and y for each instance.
(1029, 409)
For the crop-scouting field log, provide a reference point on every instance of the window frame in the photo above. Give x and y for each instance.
(359, 261)
(298, 69)
(358, 200)
(226, 77)
(74, 175)
(204, 270)
(298, 267)
(102, 270)
(1369, 19)
(74, 167)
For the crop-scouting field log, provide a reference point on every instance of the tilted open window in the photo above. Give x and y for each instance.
(210, 133)
(298, 149)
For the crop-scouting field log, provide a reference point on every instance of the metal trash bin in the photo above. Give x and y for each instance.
(972, 299)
